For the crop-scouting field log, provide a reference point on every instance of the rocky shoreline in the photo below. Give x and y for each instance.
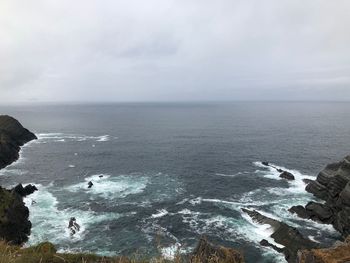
(331, 187)
(14, 223)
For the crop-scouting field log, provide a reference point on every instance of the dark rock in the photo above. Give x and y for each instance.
(283, 234)
(279, 170)
(317, 190)
(307, 181)
(319, 212)
(90, 184)
(265, 163)
(287, 175)
(12, 137)
(206, 252)
(24, 191)
(14, 224)
(333, 186)
(300, 211)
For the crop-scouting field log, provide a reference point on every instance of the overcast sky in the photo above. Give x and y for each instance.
(180, 50)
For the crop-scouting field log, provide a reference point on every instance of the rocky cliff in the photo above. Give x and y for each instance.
(289, 237)
(12, 136)
(332, 185)
(14, 224)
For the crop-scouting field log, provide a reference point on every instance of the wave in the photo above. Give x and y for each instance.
(109, 187)
(161, 213)
(232, 228)
(67, 137)
(51, 223)
(296, 186)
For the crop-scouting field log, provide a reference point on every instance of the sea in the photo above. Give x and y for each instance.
(165, 174)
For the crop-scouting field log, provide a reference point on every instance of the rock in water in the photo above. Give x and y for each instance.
(283, 234)
(90, 184)
(12, 137)
(287, 175)
(333, 186)
(206, 252)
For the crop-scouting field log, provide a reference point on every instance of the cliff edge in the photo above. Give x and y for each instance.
(14, 224)
(12, 136)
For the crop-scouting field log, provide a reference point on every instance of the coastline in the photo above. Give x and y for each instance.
(297, 249)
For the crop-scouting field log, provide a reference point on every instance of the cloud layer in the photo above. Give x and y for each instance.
(174, 50)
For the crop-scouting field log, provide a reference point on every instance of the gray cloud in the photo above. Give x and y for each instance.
(136, 50)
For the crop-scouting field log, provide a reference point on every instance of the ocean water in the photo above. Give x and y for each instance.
(165, 174)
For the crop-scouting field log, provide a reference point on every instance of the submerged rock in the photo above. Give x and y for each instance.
(206, 252)
(283, 234)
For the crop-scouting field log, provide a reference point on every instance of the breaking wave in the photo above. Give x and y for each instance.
(109, 187)
(66, 137)
(51, 223)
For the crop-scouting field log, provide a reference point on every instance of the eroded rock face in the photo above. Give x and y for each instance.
(12, 136)
(14, 224)
(206, 252)
(333, 186)
(283, 234)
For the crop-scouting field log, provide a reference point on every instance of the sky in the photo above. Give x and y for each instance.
(174, 50)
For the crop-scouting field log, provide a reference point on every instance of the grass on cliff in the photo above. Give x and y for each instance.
(46, 253)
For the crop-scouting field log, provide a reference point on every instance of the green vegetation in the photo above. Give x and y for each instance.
(46, 253)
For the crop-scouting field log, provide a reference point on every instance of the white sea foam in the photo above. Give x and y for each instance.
(296, 186)
(195, 201)
(172, 251)
(51, 223)
(103, 138)
(63, 137)
(110, 187)
(231, 175)
(160, 213)
(71, 166)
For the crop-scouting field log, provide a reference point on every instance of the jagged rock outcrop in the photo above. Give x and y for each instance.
(24, 191)
(283, 234)
(12, 136)
(284, 174)
(206, 252)
(339, 253)
(14, 224)
(333, 186)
